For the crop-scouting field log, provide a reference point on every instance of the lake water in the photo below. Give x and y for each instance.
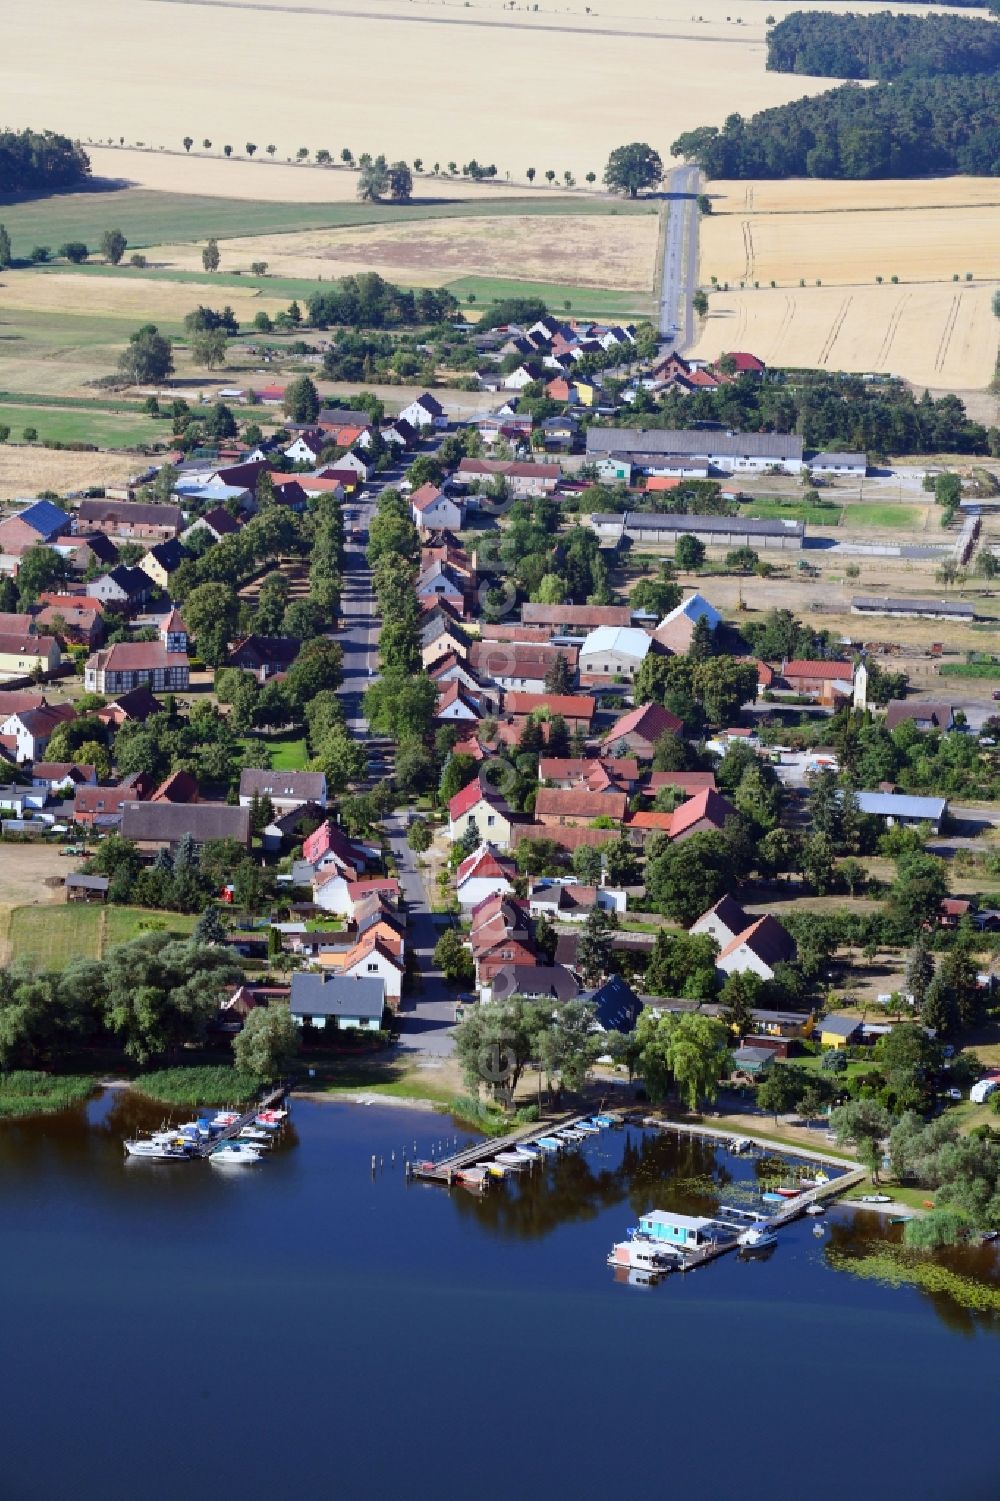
(306, 1329)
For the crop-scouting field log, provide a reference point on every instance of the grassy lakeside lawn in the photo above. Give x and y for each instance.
(790, 510)
(150, 218)
(29, 1093)
(377, 1076)
(590, 302)
(71, 425)
(51, 937)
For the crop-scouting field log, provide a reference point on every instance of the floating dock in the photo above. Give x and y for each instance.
(449, 1169)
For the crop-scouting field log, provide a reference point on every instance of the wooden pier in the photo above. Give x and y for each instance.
(272, 1098)
(483, 1152)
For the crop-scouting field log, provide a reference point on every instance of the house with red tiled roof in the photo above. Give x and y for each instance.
(502, 933)
(370, 958)
(519, 666)
(178, 787)
(61, 776)
(479, 807)
(687, 782)
(456, 705)
(96, 805)
(483, 874)
(704, 813)
(431, 508)
(645, 822)
(577, 709)
(640, 729)
(822, 680)
(565, 807)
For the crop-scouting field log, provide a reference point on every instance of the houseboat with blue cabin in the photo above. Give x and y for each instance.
(686, 1232)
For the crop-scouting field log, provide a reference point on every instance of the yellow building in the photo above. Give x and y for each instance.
(20, 656)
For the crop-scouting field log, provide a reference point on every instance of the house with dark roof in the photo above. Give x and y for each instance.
(135, 706)
(757, 949)
(616, 1006)
(264, 656)
(128, 518)
(155, 826)
(162, 561)
(919, 712)
(102, 806)
(217, 522)
(339, 1002)
(127, 588)
(286, 789)
(424, 413)
(535, 982)
(32, 729)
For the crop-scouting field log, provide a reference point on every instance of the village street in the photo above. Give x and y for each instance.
(427, 1016)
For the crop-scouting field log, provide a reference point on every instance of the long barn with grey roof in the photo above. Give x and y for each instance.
(663, 449)
(662, 528)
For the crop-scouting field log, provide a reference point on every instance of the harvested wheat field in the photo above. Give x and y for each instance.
(915, 244)
(26, 471)
(440, 82)
(105, 296)
(578, 251)
(815, 195)
(940, 335)
(262, 178)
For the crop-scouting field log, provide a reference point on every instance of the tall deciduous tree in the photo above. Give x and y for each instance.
(632, 168)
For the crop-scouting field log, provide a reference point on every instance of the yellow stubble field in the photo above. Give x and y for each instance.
(588, 250)
(62, 292)
(927, 327)
(553, 88)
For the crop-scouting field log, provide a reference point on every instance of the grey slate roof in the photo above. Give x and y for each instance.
(337, 995)
(902, 805)
(306, 786)
(840, 1026)
(171, 821)
(694, 443)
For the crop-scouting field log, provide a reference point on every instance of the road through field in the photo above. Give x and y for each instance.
(680, 258)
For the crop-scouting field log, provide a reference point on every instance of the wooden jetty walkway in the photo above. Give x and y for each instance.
(446, 1170)
(206, 1148)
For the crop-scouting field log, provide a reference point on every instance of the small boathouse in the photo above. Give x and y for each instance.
(683, 1230)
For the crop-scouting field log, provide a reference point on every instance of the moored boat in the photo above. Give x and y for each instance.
(641, 1256)
(235, 1154)
(550, 1144)
(815, 1209)
(757, 1238)
(513, 1160)
(770, 1196)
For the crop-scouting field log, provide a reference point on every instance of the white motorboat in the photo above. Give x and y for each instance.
(740, 1144)
(160, 1148)
(815, 1209)
(235, 1154)
(513, 1160)
(641, 1256)
(819, 1231)
(587, 1128)
(253, 1133)
(757, 1238)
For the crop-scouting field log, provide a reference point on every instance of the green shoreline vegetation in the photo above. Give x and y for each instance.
(26, 1092)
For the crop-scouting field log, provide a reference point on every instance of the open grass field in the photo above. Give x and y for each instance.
(149, 217)
(74, 425)
(279, 752)
(133, 299)
(52, 937)
(588, 250)
(790, 510)
(887, 516)
(439, 82)
(936, 334)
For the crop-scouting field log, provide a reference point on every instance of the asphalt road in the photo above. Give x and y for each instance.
(427, 1016)
(680, 259)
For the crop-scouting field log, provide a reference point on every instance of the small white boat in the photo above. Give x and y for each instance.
(757, 1238)
(513, 1160)
(159, 1148)
(495, 1169)
(819, 1231)
(235, 1154)
(570, 1134)
(254, 1133)
(587, 1128)
(740, 1144)
(641, 1256)
(815, 1209)
(549, 1144)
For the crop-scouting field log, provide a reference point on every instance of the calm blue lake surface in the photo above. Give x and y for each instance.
(304, 1329)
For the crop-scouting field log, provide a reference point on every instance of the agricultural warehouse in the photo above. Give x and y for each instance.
(662, 450)
(923, 609)
(715, 531)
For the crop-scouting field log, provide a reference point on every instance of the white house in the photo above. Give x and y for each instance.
(432, 510)
(286, 789)
(484, 873)
(613, 651)
(425, 412)
(479, 808)
(747, 944)
(307, 448)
